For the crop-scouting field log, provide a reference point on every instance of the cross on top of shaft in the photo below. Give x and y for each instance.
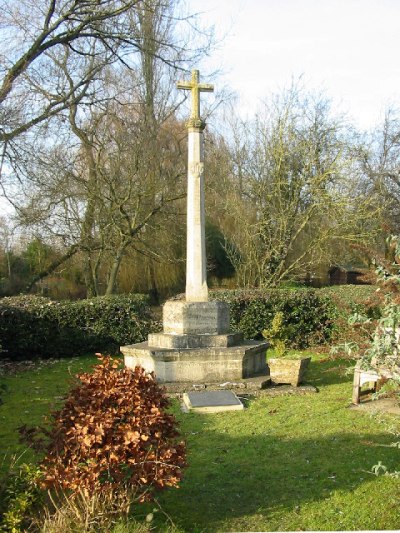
(195, 87)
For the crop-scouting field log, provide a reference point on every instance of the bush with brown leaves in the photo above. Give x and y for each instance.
(113, 431)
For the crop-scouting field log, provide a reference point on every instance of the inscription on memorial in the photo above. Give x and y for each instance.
(203, 317)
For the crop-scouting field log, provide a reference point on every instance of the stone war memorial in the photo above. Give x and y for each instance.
(196, 345)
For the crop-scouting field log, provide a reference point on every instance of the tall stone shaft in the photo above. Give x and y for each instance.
(196, 272)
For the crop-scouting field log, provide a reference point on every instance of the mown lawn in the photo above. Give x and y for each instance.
(31, 394)
(284, 463)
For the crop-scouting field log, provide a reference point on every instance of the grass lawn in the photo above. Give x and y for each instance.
(29, 395)
(284, 463)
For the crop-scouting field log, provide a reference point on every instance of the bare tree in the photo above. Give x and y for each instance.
(380, 162)
(33, 32)
(101, 173)
(293, 191)
(6, 240)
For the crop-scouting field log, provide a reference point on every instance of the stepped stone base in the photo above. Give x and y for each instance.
(196, 347)
(169, 340)
(213, 364)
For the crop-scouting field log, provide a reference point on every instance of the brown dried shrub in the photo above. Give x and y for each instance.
(113, 431)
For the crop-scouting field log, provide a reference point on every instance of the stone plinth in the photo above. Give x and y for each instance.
(216, 364)
(186, 318)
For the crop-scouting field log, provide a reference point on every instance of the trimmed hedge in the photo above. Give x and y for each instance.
(33, 326)
(308, 314)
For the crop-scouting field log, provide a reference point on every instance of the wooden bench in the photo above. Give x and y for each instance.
(361, 377)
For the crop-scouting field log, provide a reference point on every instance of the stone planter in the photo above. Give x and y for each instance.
(291, 371)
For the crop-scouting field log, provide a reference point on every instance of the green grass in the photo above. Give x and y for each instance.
(28, 396)
(284, 463)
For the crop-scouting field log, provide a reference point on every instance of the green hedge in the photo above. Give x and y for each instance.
(309, 315)
(33, 326)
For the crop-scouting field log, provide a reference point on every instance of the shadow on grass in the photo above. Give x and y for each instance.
(232, 478)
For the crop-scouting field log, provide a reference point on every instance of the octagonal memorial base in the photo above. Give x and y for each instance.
(209, 364)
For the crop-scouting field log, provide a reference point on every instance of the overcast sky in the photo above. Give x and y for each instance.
(349, 48)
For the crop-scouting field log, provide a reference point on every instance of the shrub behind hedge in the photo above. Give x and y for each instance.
(33, 326)
(349, 299)
(355, 299)
(308, 314)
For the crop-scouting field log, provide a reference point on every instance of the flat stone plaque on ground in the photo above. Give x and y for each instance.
(212, 401)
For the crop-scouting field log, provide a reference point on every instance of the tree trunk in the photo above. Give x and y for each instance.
(112, 279)
(154, 294)
(55, 264)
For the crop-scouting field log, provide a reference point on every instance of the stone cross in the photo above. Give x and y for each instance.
(195, 87)
(196, 274)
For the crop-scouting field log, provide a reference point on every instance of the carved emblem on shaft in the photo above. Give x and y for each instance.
(196, 169)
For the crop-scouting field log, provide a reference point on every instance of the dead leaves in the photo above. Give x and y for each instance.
(131, 437)
(113, 430)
